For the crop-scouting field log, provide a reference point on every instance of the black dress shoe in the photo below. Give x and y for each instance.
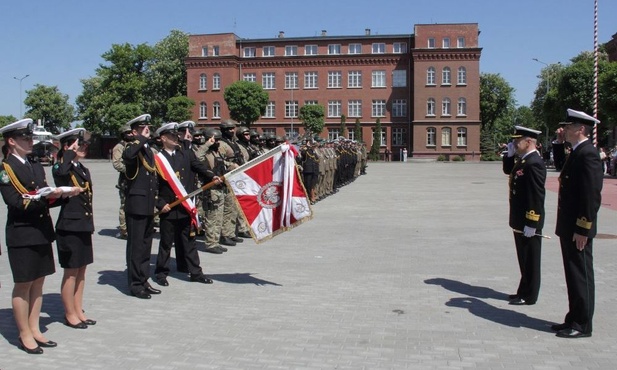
(79, 325)
(236, 239)
(222, 248)
(521, 301)
(572, 333)
(142, 294)
(151, 290)
(31, 351)
(512, 296)
(560, 327)
(214, 250)
(48, 344)
(201, 279)
(89, 322)
(245, 234)
(227, 241)
(162, 281)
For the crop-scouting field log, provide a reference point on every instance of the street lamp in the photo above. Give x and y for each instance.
(20, 101)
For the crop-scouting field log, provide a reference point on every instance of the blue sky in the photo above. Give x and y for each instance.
(57, 43)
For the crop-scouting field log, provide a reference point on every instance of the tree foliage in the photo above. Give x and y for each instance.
(246, 101)
(496, 111)
(179, 109)
(5, 120)
(343, 126)
(312, 117)
(358, 130)
(49, 105)
(376, 146)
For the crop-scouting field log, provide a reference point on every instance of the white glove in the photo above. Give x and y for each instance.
(529, 232)
(511, 149)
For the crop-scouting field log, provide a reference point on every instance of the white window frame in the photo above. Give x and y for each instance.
(216, 110)
(334, 108)
(311, 50)
(399, 108)
(430, 76)
(270, 110)
(216, 81)
(291, 50)
(399, 136)
(335, 79)
(461, 76)
(204, 51)
(292, 133)
(446, 76)
(268, 80)
(333, 133)
(311, 80)
(354, 79)
(461, 136)
(461, 109)
(268, 51)
(383, 138)
(446, 105)
(399, 47)
(216, 51)
(378, 108)
(378, 48)
(446, 136)
(249, 52)
(291, 108)
(354, 108)
(334, 49)
(460, 42)
(291, 80)
(203, 82)
(430, 107)
(203, 110)
(445, 43)
(250, 77)
(431, 136)
(311, 102)
(430, 43)
(378, 79)
(354, 48)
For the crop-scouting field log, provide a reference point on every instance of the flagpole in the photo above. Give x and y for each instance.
(595, 72)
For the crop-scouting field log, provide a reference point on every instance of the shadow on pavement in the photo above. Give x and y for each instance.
(116, 279)
(466, 289)
(52, 311)
(241, 278)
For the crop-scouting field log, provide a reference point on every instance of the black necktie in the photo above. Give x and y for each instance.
(29, 165)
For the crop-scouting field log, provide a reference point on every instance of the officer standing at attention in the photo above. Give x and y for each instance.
(580, 187)
(176, 166)
(29, 232)
(527, 178)
(139, 208)
(126, 136)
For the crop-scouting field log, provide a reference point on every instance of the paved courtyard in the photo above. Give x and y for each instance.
(408, 267)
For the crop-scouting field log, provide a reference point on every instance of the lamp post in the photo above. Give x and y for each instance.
(20, 101)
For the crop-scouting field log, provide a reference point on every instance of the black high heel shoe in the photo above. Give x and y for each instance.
(31, 351)
(80, 325)
(89, 322)
(48, 344)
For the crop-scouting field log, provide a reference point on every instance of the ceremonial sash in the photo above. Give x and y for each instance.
(169, 175)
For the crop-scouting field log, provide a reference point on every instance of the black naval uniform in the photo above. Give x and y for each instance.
(580, 186)
(175, 225)
(29, 228)
(75, 223)
(139, 208)
(527, 193)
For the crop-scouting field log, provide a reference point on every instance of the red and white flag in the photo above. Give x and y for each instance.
(270, 194)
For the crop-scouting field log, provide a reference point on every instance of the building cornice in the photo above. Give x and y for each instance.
(290, 62)
(446, 54)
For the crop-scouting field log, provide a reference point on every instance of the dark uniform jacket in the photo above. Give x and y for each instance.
(527, 192)
(141, 178)
(28, 222)
(75, 214)
(186, 165)
(580, 187)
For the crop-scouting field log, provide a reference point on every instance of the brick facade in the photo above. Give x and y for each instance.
(376, 71)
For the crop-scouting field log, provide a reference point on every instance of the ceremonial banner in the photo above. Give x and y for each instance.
(168, 174)
(269, 193)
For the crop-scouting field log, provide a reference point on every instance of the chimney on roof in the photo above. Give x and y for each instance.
(324, 33)
(281, 34)
(367, 31)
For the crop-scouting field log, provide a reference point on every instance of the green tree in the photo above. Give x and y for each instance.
(343, 127)
(49, 105)
(496, 110)
(312, 117)
(246, 101)
(376, 146)
(179, 109)
(5, 120)
(358, 130)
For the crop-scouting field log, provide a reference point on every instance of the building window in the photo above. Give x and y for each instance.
(334, 79)
(399, 78)
(351, 134)
(398, 136)
(379, 79)
(216, 81)
(216, 110)
(431, 43)
(268, 51)
(460, 42)
(446, 43)
(292, 133)
(203, 110)
(430, 136)
(354, 108)
(249, 52)
(399, 108)
(461, 109)
(310, 80)
(269, 131)
(291, 50)
(204, 51)
(379, 108)
(268, 80)
(333, 133)
(203, 81)
(446, 76)
(430, 107)
(446, 136)
(215, 51)
(291, 80)
(310, 50)
(334, 108)
(291, 108)
(270, 110)
(461, 139)
(250, 77)
(399, 47)
(379, 48)
(445, 107)
(461, 78)
(382, 138)
(354, 79)
(355, 48)
(430, 76)
(311, 102)
(334, 49)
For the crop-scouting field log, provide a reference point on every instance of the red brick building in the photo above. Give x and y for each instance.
(423, 87)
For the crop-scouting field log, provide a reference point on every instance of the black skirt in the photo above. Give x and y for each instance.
(74, 248)
(31, 262)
